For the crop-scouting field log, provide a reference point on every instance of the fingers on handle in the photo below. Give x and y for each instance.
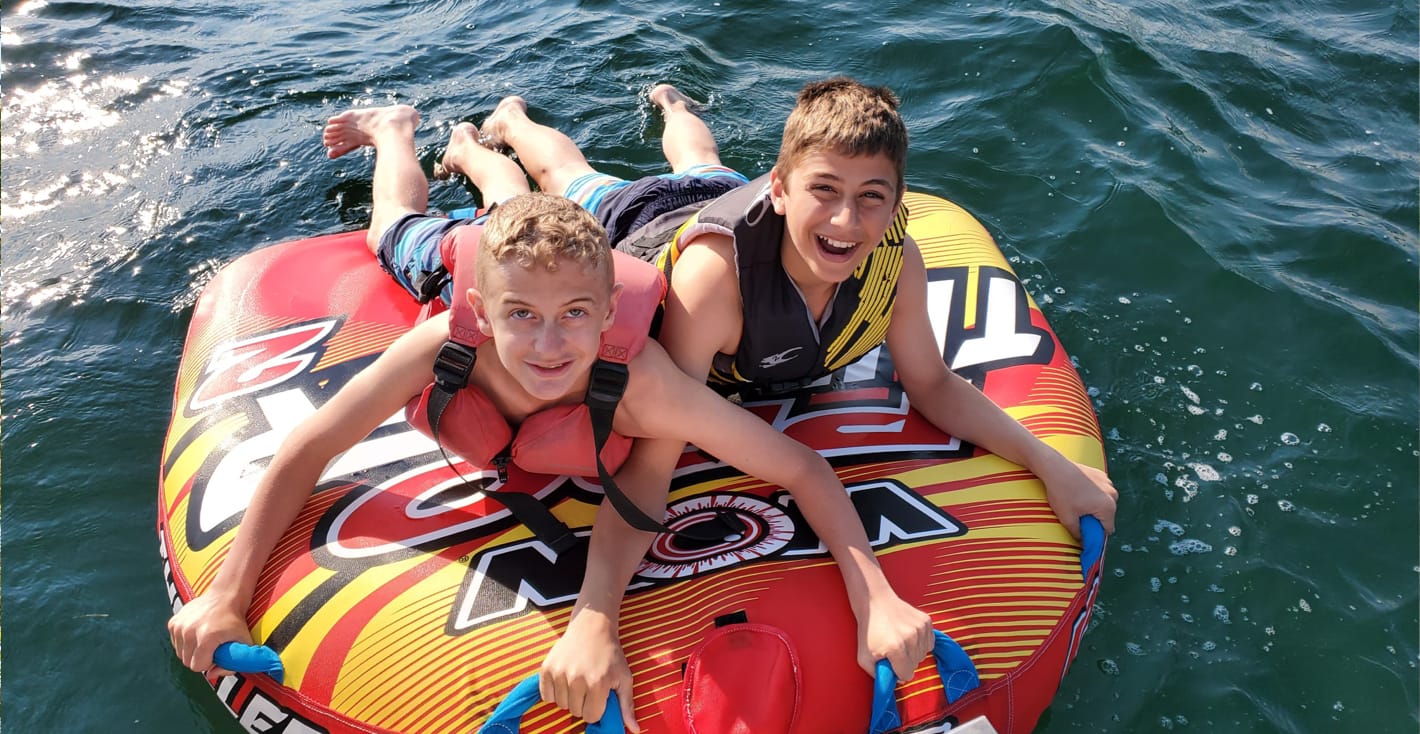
(588, 703)
(628, 707)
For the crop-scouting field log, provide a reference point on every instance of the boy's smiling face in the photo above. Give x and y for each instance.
(836, 209)
(546, 324)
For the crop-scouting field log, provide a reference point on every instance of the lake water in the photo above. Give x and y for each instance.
(1215, 203)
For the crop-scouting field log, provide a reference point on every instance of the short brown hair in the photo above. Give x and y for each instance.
(539, 229)
(847, 117)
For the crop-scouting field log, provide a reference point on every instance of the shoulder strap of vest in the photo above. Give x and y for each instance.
(459, 251)
(643, 287)
(456, 358)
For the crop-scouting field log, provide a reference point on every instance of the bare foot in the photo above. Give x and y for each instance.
(463, 145)
(356, 128)
(666, 97)
(495, 127)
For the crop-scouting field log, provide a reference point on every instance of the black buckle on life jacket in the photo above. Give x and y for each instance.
(453, 365)
(607, 383)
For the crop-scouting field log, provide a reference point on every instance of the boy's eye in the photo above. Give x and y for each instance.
(520, 313)
(576, 313)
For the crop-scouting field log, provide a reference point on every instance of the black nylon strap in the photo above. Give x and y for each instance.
(608, 383)
(531, 512)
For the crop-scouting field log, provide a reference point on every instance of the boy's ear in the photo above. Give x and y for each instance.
(615, 298)
(776, 191)
(480, 311)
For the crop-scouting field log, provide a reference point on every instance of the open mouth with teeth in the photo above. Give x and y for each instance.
(837, 250)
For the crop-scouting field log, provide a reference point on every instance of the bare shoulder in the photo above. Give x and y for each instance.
(703, 312)
(912, 281)
(421, 343)
(704, 261)
(911, 253)
(652, 387)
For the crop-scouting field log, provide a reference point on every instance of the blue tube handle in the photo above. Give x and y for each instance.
(1091, 544)
(240, 658)
(954, 667)
(509, 715)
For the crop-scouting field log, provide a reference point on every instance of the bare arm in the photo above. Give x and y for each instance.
(958, 408)
(373, 395)
(676, 406)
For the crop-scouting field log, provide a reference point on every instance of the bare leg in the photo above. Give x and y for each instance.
(399, 186)
(495, 176)
(549, 156)
(687, 141)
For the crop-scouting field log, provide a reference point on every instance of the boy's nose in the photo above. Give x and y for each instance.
(549, 338)
(846, 216)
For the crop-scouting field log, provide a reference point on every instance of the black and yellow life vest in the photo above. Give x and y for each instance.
(781, 347)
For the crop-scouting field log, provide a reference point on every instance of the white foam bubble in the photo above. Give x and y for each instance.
(1205, 472)
(1172, 527)
(1189, 546)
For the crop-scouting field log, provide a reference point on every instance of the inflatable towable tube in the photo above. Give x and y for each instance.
(403, 600)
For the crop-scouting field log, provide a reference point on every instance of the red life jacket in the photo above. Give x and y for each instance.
(558, 440)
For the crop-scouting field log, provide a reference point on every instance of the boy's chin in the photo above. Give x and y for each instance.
(547, 390)
(832, 271)
(550, 388)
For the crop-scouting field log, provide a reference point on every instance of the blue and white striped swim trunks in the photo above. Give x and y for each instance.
(622, 206)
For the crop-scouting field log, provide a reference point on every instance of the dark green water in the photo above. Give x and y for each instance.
(1215, 202)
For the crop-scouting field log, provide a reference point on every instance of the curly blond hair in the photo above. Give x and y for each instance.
(541, 230)
(846, 117)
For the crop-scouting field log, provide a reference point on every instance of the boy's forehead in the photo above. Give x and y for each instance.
(570, 278)
(827, 163)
